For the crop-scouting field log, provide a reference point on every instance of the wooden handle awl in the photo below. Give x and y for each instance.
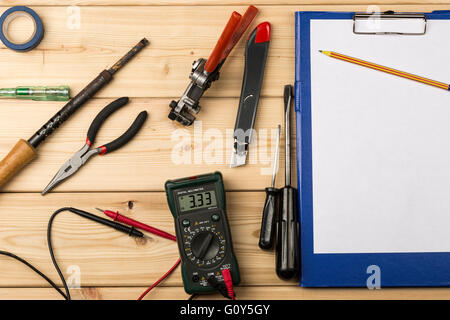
(15, 160)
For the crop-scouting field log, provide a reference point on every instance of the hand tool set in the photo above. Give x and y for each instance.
(255, 61)
(198, 203)
(205, 72)
(25, 151)
(281, 206)
(85, 153)
(59, 93)
(287, 247)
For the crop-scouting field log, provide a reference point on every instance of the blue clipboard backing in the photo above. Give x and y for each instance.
(346, 269)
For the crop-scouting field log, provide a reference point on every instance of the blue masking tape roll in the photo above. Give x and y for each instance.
(21, 11)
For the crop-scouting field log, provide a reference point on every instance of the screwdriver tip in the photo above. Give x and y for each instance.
(100, 210)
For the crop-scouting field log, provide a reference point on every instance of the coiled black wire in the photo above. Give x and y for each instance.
(52, 255)
(29, 265)
(50, 249)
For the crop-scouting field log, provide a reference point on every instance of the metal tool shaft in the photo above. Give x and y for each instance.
(287, 138)
(267, 233)
(275, 160)
(126, 58)
(84, 95)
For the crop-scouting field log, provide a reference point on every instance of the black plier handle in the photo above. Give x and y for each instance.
(125, 137)
(85, 153)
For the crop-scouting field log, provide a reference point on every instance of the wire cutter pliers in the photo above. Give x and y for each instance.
(84, 154)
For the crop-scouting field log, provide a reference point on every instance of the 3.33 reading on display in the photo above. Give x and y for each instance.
(197, 200)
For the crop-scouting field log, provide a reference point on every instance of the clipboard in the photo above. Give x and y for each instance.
(374, 187)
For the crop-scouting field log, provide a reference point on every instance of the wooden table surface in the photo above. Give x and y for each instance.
(111, 265)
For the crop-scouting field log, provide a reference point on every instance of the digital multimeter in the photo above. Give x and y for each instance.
(203, 234)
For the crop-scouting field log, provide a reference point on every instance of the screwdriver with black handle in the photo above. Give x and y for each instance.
(269, 215)
(287, 247)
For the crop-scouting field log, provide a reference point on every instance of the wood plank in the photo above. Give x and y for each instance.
(178, 35)
(162, 150)
(242, 292)
(174, 3)
(106, 257)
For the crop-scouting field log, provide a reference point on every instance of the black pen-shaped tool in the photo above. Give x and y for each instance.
(287, 248)
(131, 231)
(270, 206)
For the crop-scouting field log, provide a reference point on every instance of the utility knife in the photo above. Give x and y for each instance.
(255, 61)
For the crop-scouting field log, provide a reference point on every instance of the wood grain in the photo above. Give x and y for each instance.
(243, 293)
(178, 35)
(174, 3)
(109, 258)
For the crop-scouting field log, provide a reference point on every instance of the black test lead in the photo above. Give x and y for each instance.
(287, 248)
(270, 206)
(131, 231)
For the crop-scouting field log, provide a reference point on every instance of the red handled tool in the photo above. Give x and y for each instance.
(116, 216)
(84, 154)
(205, 72)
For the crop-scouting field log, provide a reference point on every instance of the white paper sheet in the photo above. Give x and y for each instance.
(380, 143)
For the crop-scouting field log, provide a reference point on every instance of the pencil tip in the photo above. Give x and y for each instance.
(320, 50)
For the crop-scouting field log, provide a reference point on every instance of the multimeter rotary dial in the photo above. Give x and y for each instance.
(205, 248)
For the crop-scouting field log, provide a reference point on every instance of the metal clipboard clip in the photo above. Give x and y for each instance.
(389, 22)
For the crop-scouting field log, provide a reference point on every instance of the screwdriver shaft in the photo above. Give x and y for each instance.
(275, 160)
(287, 132)
(270, 206)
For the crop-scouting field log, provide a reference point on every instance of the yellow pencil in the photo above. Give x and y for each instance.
(386, 69)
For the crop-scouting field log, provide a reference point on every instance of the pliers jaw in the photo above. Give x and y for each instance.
(71, 166)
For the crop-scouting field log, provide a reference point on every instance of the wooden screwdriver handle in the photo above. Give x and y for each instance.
(15, 160)
(227, 33)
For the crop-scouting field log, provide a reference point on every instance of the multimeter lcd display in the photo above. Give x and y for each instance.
(197, 200)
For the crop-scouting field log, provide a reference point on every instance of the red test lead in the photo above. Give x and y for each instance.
(116, 216)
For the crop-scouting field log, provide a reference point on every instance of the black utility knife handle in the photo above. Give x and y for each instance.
(255, 61)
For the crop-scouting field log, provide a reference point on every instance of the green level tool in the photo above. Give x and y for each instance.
(58, 93)
(203, 235)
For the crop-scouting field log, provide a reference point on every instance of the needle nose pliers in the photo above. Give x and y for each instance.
(85, 153)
